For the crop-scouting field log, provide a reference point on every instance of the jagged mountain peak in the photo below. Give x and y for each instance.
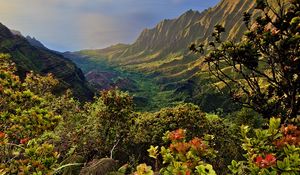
(6, 32)
(155, 46)
(190, 13)
(166, 31)
(171, 35)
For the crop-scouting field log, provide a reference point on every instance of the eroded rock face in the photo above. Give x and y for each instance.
(164, 48)
(163, 54)
(43, 61)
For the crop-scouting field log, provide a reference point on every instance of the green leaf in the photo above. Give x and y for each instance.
(153, 151)
(205, 170)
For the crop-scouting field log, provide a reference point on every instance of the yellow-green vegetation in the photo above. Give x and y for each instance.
(182, 156)
(25, 116)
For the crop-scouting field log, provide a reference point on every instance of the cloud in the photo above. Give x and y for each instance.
(95, 28)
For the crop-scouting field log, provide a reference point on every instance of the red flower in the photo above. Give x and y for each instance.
(24, 141)
(177, 135)
(188, 172)
(2, 135)
(269, 161)
(259, 159)
(197, 144)
(289, 129)
(180, 147)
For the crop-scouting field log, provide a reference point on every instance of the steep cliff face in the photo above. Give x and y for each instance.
(163, 50)
(28, 57)
(167, 31)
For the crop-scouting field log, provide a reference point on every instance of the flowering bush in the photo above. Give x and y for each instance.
(24, 117)
(181, 157)
(271, 151)
(268, 161)
(148, 129)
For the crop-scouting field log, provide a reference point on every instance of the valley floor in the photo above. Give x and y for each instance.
(147, 94)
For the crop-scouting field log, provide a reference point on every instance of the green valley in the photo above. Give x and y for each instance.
(162, 53)
(147, 94)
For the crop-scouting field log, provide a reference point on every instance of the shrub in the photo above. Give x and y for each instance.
(181, 157)
(24, 118)
(271, 151)
(148, 128)
(104, 125)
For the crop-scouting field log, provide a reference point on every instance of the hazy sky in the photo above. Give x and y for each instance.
(78, 24)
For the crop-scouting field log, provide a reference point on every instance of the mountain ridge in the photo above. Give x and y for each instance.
(43, 61)
(170, 38)
(34, 42)
(162, 53)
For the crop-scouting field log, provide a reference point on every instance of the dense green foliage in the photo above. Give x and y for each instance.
(25, 116)
(109, 127)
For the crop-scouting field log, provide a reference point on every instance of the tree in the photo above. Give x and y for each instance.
(104, 126)
(262, 71)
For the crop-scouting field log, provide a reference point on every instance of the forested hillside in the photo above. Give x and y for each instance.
(28, 58)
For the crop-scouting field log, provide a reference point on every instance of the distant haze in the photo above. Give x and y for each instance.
(80, 24)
